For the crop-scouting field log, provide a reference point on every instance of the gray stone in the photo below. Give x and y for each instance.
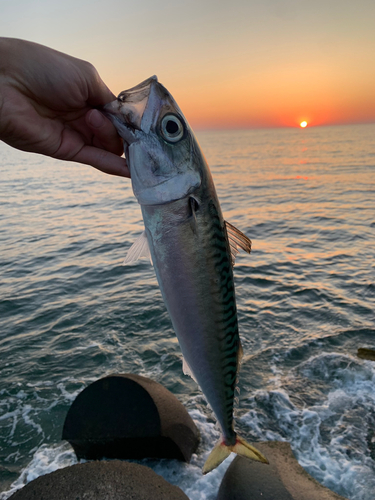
(129, 416)
(112, 480)
(282, 479)
(365, 353)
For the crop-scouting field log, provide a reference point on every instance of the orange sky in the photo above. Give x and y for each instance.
(245, 63)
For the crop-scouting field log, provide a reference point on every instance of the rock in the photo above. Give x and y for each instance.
(112, 480)
(364, 353)
(282, 479)
(129, 416)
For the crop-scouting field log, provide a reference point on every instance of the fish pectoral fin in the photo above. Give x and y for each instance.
(140, 249)
(187, 370)
(237, 240)
(221, 451)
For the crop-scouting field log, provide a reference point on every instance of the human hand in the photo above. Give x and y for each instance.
(47, 106)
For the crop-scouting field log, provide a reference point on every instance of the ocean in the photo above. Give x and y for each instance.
(71, 313)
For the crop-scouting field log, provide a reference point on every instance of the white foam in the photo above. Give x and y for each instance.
(328, 435)
(188, 477)
(329, 438)
(46, 459)
(27, 409)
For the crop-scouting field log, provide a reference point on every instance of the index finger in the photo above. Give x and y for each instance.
(103, 160)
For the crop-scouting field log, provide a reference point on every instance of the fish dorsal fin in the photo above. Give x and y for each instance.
(237, 240)
(140, 249)
(187, 370)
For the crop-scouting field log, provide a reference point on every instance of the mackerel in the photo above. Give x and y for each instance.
(190, 245)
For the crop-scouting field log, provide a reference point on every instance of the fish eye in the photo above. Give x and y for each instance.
(121, 97)
(172, 128)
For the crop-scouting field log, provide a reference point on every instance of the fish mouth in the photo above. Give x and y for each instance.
(128, 110)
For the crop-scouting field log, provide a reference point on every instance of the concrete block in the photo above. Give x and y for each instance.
(129, 416)
(282, 479)
(112, 480)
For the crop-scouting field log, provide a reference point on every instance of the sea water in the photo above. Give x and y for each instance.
(72, 313)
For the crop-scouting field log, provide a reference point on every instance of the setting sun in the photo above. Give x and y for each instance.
(303, 124)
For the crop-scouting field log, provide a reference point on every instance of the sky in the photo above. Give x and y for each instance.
(228, 64)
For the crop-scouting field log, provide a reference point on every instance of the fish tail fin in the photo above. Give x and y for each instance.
(244, 449)
(221, 451)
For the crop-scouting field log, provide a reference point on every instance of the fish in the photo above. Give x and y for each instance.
(190, 245)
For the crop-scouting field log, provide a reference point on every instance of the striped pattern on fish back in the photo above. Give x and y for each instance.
(225, 312)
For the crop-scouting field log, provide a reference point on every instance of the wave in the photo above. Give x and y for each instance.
(325, 408)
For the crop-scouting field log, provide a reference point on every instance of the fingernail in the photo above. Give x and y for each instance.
(95, 118)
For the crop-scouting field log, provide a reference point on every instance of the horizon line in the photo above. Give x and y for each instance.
(267, 127)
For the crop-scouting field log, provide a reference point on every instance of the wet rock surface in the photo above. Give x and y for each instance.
(114, 480)
(365, 353)
(282, 479)
(129, 416)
